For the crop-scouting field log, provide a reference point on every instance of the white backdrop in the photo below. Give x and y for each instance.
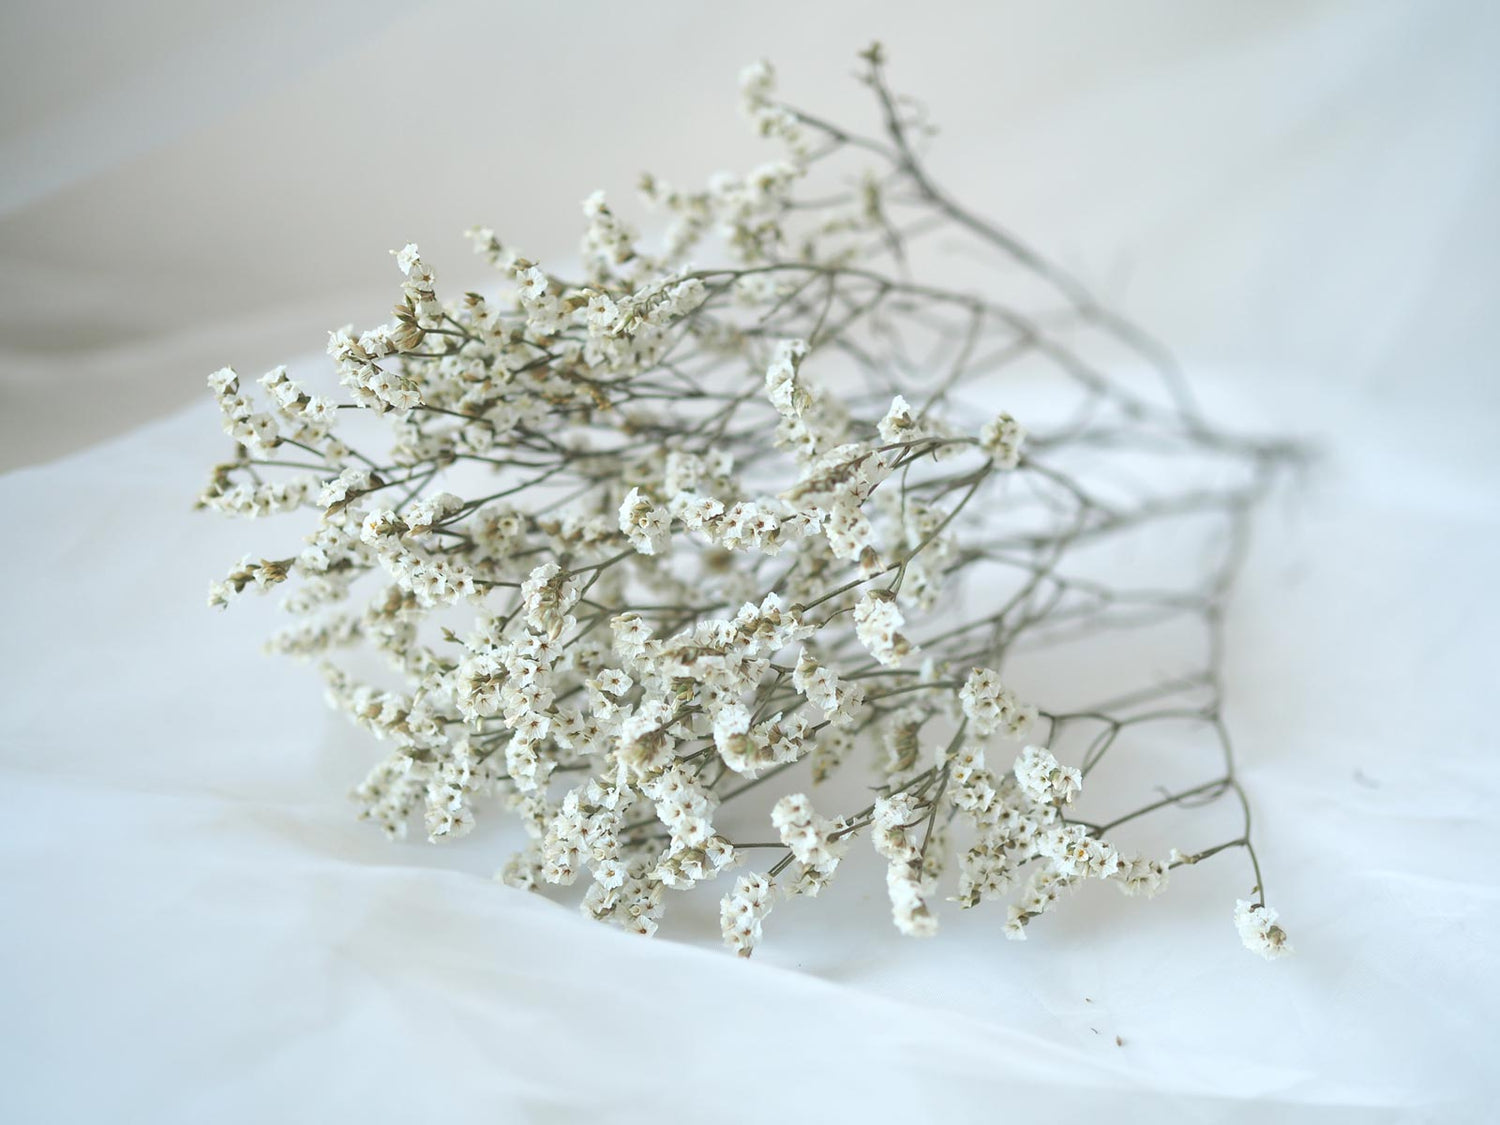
(1298, 196)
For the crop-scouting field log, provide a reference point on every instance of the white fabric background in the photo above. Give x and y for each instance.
(195, 929)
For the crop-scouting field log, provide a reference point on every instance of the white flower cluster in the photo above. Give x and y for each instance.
(905, 876)
(650, 550)
(742, 911)
(877, 624)
(990, 706)
(1256, 923)
(646, 525)
(430, 576)
(260, 575)
(840, 701)
(1044, 780)
(817, 843)
(1001, 438)
(757, 94)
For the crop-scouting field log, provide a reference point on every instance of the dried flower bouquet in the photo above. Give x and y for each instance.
(723, 555)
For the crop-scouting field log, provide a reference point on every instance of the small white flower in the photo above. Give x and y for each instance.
(609, 874)
(1259, 931)
(408, 258)
(900, 423)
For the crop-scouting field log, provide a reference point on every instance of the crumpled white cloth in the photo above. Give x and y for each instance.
(197, 929)
(194, 928)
